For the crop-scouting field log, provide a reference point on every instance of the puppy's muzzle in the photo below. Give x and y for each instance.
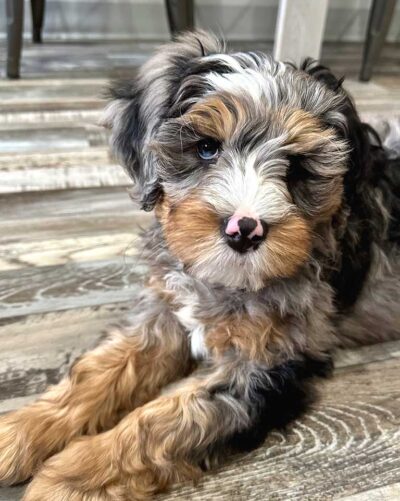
(243, 233)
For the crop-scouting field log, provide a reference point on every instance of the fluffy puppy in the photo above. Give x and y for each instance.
(276, 240)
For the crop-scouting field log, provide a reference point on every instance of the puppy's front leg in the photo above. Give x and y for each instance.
(104, 385)
(168, 439)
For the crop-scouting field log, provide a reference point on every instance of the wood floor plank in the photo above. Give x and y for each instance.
(95, 203)
(51, 100)
(56, 178)
(54, 137)
(73, 285)
(82, 60)
(29, 237)
(11, 493)
(386, 493)
(60, 250)
(91, 116)
(28, 85)
(62, 159)
(95, 60)
(365, 354)
(37, 350)
(53, 228)
(41, 171)
(50, 104)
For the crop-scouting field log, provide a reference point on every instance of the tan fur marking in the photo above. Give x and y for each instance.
(305, 132)
(212, 117)
(157, 284)
(287, 247)
(190, 227)
(256, 338)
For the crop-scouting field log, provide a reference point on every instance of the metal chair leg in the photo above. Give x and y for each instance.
(378, 25)
(37, 8)
(15, 17)
(180, 15)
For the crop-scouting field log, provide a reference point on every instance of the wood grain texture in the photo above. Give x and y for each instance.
(386, 493)
(91, 116)
(62, 159)
(33, 137)
(72, 285)
(53, 228)
(52, 101)
(70, 203)
(59, 251)
(56, 178)
(49, 103)
(62, 336)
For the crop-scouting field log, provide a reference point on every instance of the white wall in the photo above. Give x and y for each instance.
(146, 19)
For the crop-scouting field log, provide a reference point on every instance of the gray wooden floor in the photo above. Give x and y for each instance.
(67, 269)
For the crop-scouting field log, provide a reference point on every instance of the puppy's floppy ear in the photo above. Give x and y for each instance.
(366, 161)
(138, 107)
(363, 140)
(321, 73)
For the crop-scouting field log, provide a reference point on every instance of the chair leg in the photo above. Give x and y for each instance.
(15, 17)
(180, 15)
(37, 8)
(378, 25)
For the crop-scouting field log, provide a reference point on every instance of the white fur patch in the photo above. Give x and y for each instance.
(198, 348)
(240, 187)
(195, 329)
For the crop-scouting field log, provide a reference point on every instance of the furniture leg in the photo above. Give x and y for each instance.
(15, 17)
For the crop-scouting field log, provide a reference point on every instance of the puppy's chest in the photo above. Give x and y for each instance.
(255, 337)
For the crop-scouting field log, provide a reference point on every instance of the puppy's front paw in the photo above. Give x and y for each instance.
(16, 462)
(81, 472)
(48, 487)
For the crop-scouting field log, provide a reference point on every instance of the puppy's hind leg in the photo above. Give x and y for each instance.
(126, 371)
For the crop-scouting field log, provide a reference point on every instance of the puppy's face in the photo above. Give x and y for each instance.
(245, 164)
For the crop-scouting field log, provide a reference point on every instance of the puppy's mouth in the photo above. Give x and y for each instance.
(238, 250)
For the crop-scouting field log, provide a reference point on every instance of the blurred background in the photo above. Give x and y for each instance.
(140, 20)
(141, 23)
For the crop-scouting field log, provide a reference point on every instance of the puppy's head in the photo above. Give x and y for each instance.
(241, 156)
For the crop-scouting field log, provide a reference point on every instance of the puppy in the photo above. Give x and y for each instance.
(276, 240)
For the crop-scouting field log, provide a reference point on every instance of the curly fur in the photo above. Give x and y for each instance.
(223, 346)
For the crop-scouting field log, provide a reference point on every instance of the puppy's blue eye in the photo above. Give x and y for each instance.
(208, 149)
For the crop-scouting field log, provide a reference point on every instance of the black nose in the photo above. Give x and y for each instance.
(242, 234)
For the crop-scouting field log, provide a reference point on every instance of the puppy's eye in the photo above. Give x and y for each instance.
(208, 149)
(297, 171)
